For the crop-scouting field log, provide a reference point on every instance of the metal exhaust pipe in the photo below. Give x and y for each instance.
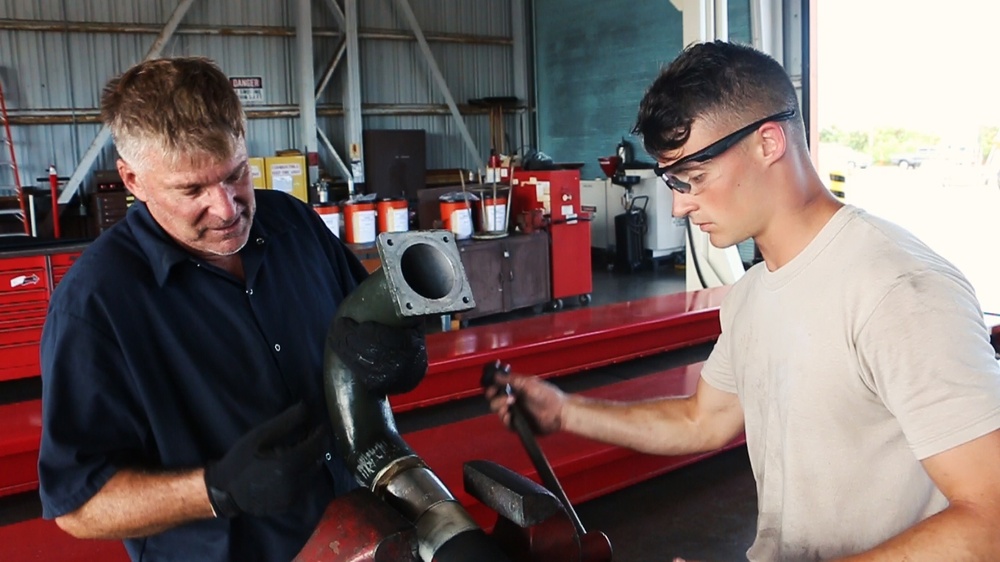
(421, 275)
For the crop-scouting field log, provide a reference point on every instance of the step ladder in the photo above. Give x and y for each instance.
(14, 189)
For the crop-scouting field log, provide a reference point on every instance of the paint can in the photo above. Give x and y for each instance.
(457, 217)
(393, 215)
(359, 222)
(330, 214)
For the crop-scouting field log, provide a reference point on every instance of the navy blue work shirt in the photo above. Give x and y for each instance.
(153, 359)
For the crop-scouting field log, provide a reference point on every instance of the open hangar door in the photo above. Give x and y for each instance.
(907, 116)
(909, 126)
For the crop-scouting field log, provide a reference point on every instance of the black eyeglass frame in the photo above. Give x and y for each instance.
(714, 150)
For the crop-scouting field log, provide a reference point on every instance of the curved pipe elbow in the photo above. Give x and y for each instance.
(421, 275)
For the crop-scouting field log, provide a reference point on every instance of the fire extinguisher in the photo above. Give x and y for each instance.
(54, 191)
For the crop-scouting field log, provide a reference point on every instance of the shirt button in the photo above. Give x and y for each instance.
(329, 456)
(260, 241)
(249, 291)
(277, 347)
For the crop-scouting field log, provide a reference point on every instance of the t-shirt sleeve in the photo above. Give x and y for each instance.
(90, 422)
(925, 351)
(718, 370)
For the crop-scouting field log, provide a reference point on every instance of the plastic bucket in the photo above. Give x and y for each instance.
(330, 214)
(393, 215)
(457, 217)
(359, 222)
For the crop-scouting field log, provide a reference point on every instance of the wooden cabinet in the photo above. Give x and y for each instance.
(507, 273)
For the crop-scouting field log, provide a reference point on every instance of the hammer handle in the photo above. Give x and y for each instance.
(519, 421)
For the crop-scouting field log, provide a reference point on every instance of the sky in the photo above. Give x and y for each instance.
(928, 66)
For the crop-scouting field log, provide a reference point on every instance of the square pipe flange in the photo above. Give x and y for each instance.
(424, 273)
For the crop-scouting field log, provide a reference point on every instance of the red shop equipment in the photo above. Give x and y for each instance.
(557, 194)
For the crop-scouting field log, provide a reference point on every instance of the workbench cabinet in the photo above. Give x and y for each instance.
(507, 273)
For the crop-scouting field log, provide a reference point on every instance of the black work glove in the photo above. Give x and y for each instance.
(387, 359)
(267, 469)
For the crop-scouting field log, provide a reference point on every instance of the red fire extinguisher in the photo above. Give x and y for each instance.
(54, 190)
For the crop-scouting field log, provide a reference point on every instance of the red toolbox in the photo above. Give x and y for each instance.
(24, 298)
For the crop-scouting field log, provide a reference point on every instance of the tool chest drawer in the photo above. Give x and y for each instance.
(24, 299)
(22, 315)
(19, 348)
(20, 360)
(60, 265)
(23, 279)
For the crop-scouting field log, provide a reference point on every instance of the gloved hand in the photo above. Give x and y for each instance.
(387, 359)
(267, 469)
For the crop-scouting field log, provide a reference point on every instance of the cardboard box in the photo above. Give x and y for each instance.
(288, 174)
(257, 172)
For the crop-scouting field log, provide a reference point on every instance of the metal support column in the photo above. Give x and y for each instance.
(404, 6)
(353, 126)
(338, 15)
(83, 168)
(304, 70)
(307, 81)
(519, 38)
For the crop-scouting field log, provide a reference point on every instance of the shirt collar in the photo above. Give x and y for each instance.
(163, 252)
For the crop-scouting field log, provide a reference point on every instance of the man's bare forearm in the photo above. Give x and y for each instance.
(137, 504)
(960, 532)
(669, 426)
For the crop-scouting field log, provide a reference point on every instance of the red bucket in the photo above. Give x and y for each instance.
(330, 214)
(457, 217)
(359, 222)
(393, 215)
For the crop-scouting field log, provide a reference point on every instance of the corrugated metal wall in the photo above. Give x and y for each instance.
(48, 70)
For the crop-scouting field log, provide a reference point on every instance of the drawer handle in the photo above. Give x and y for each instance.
(24, 280)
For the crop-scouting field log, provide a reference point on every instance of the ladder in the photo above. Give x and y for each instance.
(12, 164)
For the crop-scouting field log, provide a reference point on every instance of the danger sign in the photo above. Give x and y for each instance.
(250, 89)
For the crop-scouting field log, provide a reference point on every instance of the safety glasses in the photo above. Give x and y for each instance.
(667, 173)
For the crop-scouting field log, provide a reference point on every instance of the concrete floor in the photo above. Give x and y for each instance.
(704, 512)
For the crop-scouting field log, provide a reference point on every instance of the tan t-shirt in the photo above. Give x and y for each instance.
(864, 354)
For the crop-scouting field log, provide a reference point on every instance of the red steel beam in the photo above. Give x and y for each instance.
(565, 342)
(586, 469)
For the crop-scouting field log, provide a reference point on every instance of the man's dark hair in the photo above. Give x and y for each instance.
(720, 81)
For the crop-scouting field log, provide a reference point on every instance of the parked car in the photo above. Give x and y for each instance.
(913, 159)
(839, 157)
